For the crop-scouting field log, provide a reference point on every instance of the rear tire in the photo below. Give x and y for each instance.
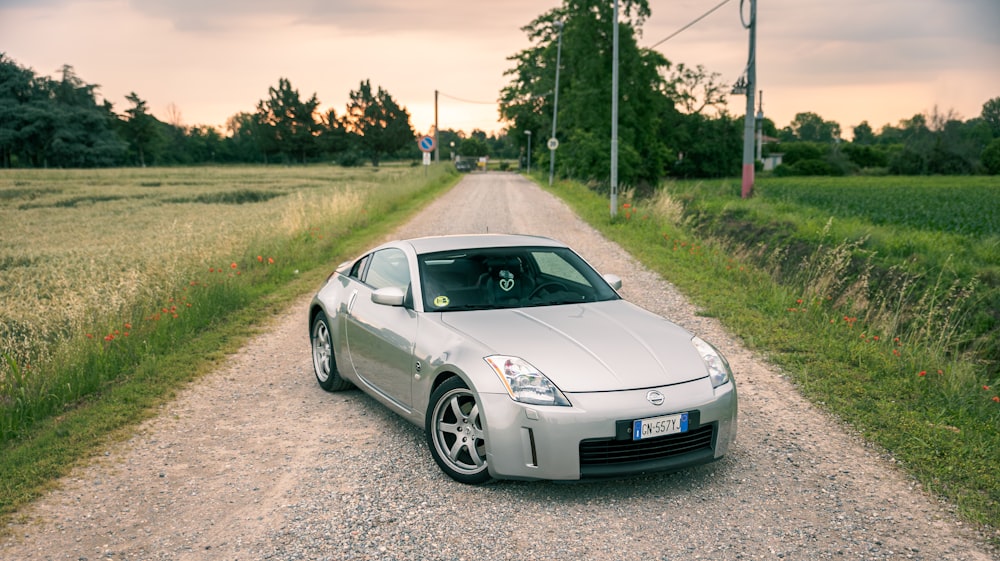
(455, 435)
(324, 363)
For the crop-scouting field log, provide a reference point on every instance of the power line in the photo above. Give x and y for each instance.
(678, 32)
(471, 101)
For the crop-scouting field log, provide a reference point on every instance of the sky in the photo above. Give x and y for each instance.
(201, 61)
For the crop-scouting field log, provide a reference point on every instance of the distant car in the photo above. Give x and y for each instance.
(520, 361)
(465, 165)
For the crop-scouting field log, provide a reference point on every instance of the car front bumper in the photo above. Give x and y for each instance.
(544, 442)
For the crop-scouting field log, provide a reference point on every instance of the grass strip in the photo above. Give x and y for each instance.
(931, 413)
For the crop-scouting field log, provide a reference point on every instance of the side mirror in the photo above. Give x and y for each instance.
(389, 296)
(614, 280)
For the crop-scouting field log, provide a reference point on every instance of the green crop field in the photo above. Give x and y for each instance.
(967, 206)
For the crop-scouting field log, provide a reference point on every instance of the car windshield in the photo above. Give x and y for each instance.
(491, 278)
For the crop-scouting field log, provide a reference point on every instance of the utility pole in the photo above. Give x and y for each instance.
(749, 124)
(614, 115)
(760, 125)
(553, 143)
(437, 144)
(529, 151)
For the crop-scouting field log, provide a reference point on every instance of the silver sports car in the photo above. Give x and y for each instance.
(520, 361)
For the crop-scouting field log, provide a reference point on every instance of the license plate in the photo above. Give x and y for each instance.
(659, 426)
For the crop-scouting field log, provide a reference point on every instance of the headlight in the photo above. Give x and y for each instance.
(718, 366)
(524, 382)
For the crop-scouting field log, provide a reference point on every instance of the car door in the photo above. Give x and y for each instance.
(380, 337)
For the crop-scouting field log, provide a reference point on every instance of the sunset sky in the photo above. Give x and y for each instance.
(847, 60)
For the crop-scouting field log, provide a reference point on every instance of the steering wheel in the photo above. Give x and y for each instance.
(547, 286)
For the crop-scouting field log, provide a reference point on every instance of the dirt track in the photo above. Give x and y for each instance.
(256, 462)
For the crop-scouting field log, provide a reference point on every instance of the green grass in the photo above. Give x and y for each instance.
(922, 399)
(97, 382)
(908, 239)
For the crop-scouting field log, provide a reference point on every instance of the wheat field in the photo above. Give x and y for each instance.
(82, 248)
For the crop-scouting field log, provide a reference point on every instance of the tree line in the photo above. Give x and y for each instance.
(672, 120)
(59, 122)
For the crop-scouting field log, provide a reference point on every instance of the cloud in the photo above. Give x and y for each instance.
(849, 60)
(351, 17)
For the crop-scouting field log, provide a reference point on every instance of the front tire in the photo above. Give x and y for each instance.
(455, 434)
(324, 363)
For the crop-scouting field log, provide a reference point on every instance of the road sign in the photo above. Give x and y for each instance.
(553, 143)
(426, 143)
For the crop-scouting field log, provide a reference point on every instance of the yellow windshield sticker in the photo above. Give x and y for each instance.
(441, 301)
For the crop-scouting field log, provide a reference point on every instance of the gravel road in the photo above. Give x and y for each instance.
(255, 461)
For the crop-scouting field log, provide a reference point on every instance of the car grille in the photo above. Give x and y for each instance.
(616, 452)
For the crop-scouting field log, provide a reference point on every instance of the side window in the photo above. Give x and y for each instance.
(554, 265)
(388, 268)
(359, 267)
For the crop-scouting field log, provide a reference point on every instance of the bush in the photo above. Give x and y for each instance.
(991, 157)
(867, 156)
(350, 159)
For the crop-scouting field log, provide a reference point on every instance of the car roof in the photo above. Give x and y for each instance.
(433, 244)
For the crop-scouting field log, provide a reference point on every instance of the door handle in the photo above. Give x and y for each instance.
(351, 301)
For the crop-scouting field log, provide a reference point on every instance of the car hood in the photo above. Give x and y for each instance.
(593, 347)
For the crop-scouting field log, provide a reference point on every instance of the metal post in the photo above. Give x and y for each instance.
(529, 150)
(614, 116)
(749, 121)
(555, 106)
(760, 126)
(437, 145)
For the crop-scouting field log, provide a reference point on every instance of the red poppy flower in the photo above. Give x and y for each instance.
(922, 373)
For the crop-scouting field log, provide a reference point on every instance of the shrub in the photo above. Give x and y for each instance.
(991, 157)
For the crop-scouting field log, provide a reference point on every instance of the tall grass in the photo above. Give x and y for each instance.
(885, 346)
(110, 268)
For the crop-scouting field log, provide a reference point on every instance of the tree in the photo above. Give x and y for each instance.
(380, 125)
(140, 127)
(711, 147)
(863, 134)
(16, 89)
(335, 141)
(810, 127)
(243, 138)
(991, 157)
(474, 147)
(695, 90)
(991, 115)
(286, 124)
(59, 123)
(584, 120)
